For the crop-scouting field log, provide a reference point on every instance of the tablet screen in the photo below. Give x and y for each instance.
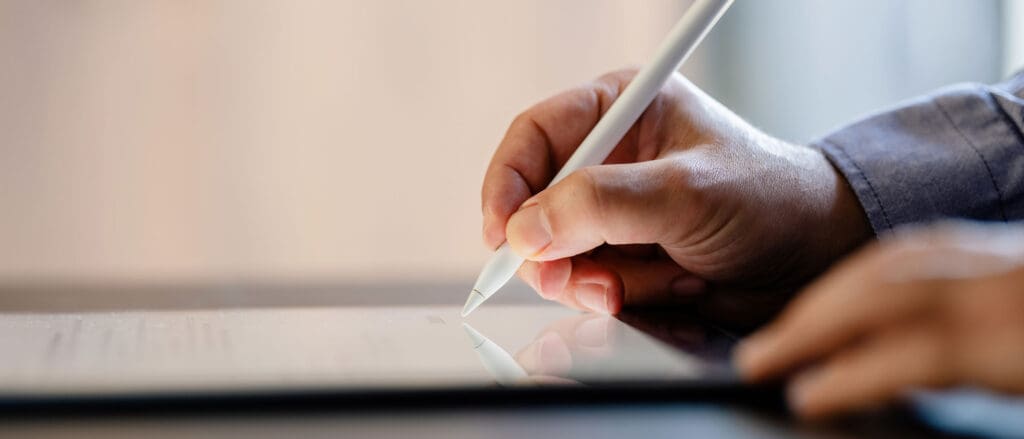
(352, 347)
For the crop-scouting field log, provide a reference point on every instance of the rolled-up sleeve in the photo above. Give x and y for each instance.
(957, 153)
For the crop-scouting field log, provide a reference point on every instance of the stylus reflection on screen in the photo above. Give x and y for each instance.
(498, 362)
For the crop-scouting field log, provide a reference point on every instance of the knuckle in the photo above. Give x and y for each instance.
(521, 120)
(609, 85)
(619, 76)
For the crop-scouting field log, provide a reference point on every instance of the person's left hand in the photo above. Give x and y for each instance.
(929, 308)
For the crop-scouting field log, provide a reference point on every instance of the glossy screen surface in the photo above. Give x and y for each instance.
(323, 348)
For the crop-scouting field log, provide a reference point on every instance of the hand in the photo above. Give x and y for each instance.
(692, 198)
(929, 308)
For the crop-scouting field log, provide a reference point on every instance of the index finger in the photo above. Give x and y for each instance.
(834, 311)
(538, 142)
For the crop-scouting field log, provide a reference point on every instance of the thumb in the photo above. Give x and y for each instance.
(614, 204)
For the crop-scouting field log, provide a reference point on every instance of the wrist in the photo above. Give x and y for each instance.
(842, 226)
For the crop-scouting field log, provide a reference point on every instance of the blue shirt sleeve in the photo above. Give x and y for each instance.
(957, 153)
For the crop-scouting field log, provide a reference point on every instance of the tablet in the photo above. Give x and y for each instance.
(345, 349)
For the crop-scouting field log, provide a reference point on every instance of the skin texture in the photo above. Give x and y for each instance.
(933, 307)
(693, 203)
(695, 206)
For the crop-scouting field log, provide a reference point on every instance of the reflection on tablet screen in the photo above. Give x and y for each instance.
(343, 348)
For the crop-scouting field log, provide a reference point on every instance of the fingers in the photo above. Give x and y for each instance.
(619, 280)
(900, 315)
(651, 281)
(872, 373)
(615, 204)
(843, 306)
(866, 335)
(536, 144)
(579, 283)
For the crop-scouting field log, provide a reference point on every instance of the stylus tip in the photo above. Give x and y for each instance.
(474, 336)
(472, 302)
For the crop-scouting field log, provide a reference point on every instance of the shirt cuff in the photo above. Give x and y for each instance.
(956, 154)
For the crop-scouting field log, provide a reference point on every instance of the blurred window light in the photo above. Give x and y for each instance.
(1013, 36)
(800, 68)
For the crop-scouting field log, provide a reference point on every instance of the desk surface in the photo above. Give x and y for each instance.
(663, 418)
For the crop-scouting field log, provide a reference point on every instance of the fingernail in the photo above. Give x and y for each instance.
(593, 296)
(688, 285)
(529, 230)
(593, 333)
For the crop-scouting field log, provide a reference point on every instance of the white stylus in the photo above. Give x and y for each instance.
(624, 112)
(505, 370)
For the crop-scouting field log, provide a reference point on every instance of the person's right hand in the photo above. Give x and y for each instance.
(692, 200)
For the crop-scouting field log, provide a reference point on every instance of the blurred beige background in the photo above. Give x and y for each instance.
(325, 140)
(275, 139)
